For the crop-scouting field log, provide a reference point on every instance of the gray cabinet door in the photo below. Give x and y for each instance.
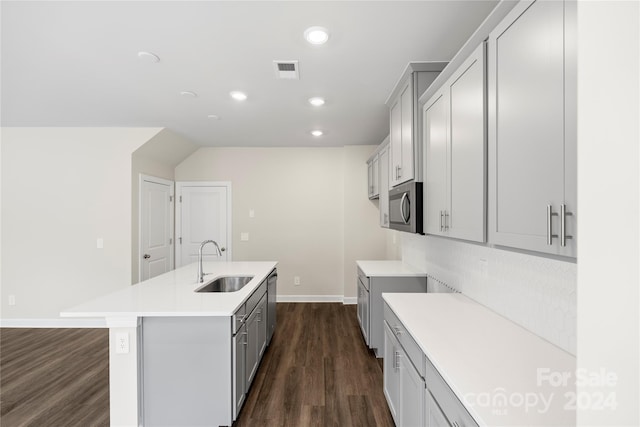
(412, 391)
(384, 187)
(262, 326)
(465, 216)
(527, 127)
(406, 106)
(252, 348)
(391, 374)
(363, 310)
(239, 375)
(436, 141)
(395, 141)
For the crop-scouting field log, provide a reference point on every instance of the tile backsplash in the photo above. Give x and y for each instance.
(535, 292)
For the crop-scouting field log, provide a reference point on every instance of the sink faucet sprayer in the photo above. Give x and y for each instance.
(200, 272)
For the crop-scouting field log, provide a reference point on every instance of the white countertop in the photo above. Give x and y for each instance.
(483, 356)
(172, 293)
(389, 269)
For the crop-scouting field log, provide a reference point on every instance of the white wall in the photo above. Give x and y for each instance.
(608, 202)
(62, 188)
(299, 196)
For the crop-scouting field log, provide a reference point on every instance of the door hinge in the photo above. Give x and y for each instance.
(180, 199)
(170, 241)
(170, 198)
(180, 240)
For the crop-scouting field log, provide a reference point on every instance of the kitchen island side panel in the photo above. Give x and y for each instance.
(186, 365)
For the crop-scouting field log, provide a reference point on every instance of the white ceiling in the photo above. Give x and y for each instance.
(76, 64)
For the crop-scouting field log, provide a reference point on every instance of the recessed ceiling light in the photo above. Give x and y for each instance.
(316, 101)
(148, 56)
(316, 35)
(188, 94)
(213, 117)
(238, 96)
(317, 133)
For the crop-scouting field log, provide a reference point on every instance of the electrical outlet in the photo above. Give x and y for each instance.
(252, 213)
(122, 343)
(244, 237)
(296, 281)
(12, 300)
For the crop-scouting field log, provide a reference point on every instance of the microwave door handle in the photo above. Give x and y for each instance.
(404, 217)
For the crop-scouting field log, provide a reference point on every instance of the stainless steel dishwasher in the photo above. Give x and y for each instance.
(271, 304)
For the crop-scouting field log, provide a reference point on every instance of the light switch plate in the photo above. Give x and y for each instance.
(100, 243)
(244, 237)
(252, 213)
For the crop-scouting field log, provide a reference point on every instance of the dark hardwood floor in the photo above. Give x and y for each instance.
(316, 372)
(54, 377)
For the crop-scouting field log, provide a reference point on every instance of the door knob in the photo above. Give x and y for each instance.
(223, 249)
(146, 256)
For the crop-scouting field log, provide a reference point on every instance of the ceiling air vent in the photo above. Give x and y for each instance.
(286, 69)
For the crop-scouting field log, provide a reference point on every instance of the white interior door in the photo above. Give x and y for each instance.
(204, 214)
(156, 226)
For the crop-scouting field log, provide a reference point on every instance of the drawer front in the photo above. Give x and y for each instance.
(453, 409)
(239, 317)
(409, 345)
(256, 296)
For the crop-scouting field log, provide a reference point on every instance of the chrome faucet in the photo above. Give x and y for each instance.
(200, 272)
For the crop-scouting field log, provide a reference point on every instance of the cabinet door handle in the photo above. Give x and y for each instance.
(259, 315)
(455, 424)
(396, 360)
(563, 225)
(446, 220)
(399, 171)
(550, 234)
(441, 217)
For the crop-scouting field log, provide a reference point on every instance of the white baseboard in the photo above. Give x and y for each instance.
(318, 298)
(309, 298)
(53, 323)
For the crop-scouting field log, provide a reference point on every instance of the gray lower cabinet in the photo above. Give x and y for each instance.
(370, 303)
(444, 408)
(256, 340)
(532, 128)
(198, 370)
(239, 375)
(363, 308)
(404, 387)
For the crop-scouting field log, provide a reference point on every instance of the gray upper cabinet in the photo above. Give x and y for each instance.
(455, 152)
(373, 174)
(532, 128)
(383, 162)
(404, 124)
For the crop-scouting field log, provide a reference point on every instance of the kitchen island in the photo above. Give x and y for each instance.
(181, 357)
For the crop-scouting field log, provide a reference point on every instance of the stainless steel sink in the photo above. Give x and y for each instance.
(226, 284)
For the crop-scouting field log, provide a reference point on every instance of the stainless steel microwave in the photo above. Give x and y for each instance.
(405, 207)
